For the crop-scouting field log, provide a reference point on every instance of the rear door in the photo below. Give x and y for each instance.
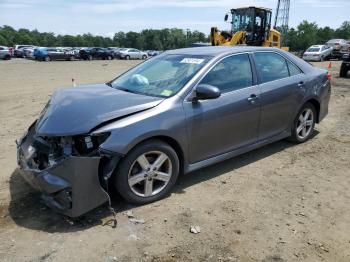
(282, 86)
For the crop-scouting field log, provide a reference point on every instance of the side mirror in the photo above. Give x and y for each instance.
(204, 92)
(226, 18)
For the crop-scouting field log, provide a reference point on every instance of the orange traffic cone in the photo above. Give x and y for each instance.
(329, 75)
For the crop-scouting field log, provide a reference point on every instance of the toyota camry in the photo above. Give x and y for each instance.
(178, 112)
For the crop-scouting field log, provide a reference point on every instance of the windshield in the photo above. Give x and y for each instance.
(162, 76)
(313, 49)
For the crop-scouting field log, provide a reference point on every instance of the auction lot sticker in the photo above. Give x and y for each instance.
(192, 61)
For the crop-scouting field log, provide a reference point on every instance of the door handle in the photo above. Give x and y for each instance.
(252, 98)
(301, 84)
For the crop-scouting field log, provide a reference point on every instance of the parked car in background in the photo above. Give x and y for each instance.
(114, 51)
(345, 66)
(28, 52)
(96, 53)
(18, 50)
(317, 53)
(181, 111)
(52, 53)
(340, 46)
(132, 53)
(5, 53)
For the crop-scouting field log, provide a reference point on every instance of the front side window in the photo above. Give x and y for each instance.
(271, 66)
(232, 73)
(162, 76)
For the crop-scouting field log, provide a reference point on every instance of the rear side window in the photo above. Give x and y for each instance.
(293, 69)
(231, 73)
(271, 66)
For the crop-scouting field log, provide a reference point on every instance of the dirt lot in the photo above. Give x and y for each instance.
(283, 202)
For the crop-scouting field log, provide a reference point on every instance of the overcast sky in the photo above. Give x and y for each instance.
(103, 17)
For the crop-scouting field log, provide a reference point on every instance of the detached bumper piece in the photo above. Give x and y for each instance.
(70, 185)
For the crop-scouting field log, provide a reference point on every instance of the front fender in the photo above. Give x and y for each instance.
(164, 120)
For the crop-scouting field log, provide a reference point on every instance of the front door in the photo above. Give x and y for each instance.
(229, 122)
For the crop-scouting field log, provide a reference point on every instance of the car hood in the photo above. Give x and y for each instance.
(78, 110)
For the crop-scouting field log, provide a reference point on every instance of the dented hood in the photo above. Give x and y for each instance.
(77, 110)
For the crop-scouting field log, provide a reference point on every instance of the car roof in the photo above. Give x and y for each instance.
(219, 50)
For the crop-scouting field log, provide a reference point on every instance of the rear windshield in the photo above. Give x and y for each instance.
(313, 49)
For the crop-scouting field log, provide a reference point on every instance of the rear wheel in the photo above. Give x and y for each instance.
(71, 58)
(47, 58)
(147, 173)
(89, 57)
(144, 57)
(127, 57)
(304, 124)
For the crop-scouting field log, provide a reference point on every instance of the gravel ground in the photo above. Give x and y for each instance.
(282, 202)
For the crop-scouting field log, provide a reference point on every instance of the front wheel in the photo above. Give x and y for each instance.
(144, 57)
(304, 124)
(127, 57)
(147, 173)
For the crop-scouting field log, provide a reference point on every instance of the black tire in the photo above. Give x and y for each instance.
(109, 57)
(322, 59)
(47, 59)
(89, 57)
(71, 58)
(343, 70)
(144, 57)
(121, 174)
(295, 137)
(127, 57)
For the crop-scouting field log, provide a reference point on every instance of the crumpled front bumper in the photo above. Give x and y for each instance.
(70, 186)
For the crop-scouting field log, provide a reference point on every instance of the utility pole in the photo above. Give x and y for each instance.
(282, 19)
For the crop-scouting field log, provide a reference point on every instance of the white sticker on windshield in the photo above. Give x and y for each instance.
(192, 61)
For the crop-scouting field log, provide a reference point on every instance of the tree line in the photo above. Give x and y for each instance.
(146, 39)
(299, 38)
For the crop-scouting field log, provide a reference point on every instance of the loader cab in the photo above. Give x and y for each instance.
(256, 22)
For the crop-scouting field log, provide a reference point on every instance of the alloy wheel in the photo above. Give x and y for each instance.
(305, 123)
(150, 173)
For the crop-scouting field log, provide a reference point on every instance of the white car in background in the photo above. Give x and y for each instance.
(317, 53)
(132, 53)
(5, 53)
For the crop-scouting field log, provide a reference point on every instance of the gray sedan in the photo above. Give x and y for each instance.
(178, 112)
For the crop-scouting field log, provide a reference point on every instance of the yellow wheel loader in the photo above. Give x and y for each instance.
(249, 26)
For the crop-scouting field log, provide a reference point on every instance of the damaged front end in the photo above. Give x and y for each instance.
(72, 172)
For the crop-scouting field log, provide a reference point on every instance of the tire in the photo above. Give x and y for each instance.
(298, 136)
(322, 59)
(343, 71)
(47, 59)
(71, 58)
(137, 193)
(127, 57)
(109, 57)
(89, 57)
(144, 57)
